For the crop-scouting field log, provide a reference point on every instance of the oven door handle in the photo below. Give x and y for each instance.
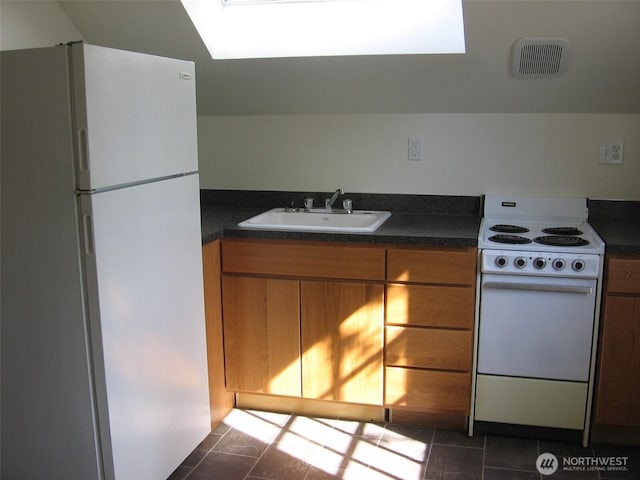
(537, 287)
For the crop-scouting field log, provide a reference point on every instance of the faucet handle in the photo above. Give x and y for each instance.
(347, 205)
(308, 203)
(291, 207)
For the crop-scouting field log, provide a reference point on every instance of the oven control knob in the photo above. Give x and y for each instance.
(520, 262)
(501, 261)
(539, 263)
(558, 264)
(578, 265)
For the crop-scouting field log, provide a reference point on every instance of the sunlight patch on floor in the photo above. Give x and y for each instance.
(342, 448)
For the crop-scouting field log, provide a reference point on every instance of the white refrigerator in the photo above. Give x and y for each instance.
(103, 349)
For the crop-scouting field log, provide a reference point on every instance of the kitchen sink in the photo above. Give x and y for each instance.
(315, 221)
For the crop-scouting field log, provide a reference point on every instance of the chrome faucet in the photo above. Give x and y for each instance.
(328, 202)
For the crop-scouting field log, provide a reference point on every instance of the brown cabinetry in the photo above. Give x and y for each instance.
(309, 320)
(429, 329)
(618, 388)
(220, 400)
(342, 341)
(304, 319)
(262, 335)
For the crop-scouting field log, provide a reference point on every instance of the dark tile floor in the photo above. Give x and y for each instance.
(253, 445)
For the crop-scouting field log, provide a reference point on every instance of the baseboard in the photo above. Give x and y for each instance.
(442, 420)
(615, 435)
(311, 407)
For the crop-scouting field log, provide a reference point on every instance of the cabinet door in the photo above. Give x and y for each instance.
(342, 341)
(220, 401)
(618, 401)
(262, 335)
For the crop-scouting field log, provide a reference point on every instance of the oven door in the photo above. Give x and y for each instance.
(537, 327)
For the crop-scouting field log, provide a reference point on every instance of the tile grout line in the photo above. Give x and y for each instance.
(324, 444)
(593, 454)
(506, 469)
(431, 444)
(484, 455)
(310, 465)
(207, 453)
(354, 439)
(539, 448)
(470, 447)
(271, 442)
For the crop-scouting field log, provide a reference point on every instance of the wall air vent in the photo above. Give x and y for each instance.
(540, 57)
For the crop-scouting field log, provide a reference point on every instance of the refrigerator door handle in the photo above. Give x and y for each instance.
(83, 151)
(87, 227)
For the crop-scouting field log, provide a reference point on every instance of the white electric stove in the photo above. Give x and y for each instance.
(539, 296)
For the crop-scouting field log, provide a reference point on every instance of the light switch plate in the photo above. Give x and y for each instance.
(415, 148)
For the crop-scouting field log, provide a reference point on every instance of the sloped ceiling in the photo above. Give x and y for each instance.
(603, 74)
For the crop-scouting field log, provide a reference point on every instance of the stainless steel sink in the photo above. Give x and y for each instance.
(317, 221)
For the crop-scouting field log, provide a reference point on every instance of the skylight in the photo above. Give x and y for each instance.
(304, 28)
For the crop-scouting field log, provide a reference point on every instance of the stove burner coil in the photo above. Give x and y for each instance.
(501, 228)
(511, 239)
(571, 231)
(561, 241)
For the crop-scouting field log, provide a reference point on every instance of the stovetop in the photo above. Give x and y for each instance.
(538, 224)
(540, 237)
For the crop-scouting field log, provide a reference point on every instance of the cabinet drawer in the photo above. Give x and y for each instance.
(425, 305)
(530, 401)
(448, 266)
(428, 390)
(429, 348)
(623, 275)
(300, 259)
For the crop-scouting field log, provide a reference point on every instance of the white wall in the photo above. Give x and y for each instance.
(467, 154)
(31, 24)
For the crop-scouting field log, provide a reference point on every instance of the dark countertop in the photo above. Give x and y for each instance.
(618, 223)
(621, 238)
(421, 220)
(400, 228)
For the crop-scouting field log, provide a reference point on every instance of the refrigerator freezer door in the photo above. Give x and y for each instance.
(135, 116)
(144, 282)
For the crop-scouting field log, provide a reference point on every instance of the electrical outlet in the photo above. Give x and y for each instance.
(611, 153)
(415, 148)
